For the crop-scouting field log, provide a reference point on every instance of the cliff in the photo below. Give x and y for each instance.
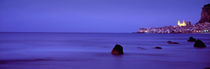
(205, 14)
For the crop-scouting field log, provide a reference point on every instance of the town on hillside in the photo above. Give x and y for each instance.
(203, 25)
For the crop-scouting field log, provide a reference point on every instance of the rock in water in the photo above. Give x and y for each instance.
(191, 39)
(170, 42)
(199, 44)
(117, 50)
(158, 47)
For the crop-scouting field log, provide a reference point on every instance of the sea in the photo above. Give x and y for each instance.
(54, 50)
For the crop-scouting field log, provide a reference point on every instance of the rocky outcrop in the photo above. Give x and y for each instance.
(117, 50)
(191, 39)
(170, 42)
(158, 47)
(205, 14)
(199, 44)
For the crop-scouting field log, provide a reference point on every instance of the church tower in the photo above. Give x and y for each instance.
(181, 24)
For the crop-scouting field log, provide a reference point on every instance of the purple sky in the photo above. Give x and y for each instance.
(95, 15)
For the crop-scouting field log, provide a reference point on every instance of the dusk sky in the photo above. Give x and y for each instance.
(95, 15)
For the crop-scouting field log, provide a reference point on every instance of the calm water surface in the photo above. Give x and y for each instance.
(92, 51)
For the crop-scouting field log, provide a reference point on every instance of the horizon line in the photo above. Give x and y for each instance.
(67, 32)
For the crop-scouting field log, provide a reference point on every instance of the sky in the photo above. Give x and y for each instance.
(95, 15)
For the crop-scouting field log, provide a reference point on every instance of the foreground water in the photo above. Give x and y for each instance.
(92, 51)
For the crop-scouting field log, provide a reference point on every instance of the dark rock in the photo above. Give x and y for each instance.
(117, 50)
(205, 14)
(191, 39)
(170, 42)
(158, 47)
(199, 44)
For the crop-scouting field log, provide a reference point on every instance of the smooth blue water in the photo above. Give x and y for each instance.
(92, 51)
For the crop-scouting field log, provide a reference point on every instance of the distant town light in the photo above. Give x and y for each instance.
(184, 27)
(205, 30)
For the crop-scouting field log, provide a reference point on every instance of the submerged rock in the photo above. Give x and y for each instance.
(170, 42)
(141, 48)
(199, 44)
(158, 47)
(191, 39)
(117, 50)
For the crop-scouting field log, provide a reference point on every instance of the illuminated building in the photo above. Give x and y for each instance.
(182, 24)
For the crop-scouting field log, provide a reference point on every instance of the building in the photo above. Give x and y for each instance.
(184, 23)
